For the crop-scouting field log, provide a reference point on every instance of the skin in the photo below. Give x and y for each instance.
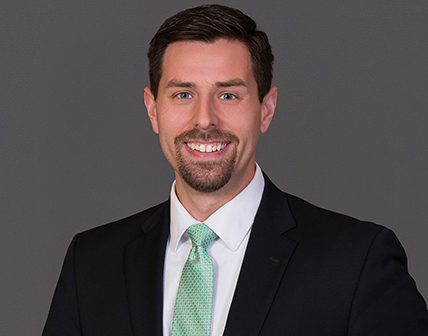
(209, 88)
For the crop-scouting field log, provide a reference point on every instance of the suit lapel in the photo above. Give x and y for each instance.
(264, 264)
(144, 264)
(265, 261)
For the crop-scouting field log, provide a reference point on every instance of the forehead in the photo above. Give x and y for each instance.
(222, 59)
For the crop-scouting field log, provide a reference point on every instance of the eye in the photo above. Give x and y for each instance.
(184, 95)
(227, 96)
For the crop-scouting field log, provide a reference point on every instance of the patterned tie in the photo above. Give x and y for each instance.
(193, 304)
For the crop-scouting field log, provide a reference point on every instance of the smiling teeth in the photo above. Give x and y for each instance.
(206, 149)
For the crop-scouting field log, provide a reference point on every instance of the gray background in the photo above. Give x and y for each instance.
(77, 150)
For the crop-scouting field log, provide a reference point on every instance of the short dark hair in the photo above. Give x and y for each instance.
(209, 23)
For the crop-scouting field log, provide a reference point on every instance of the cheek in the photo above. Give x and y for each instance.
(247, 125)
(169, 128)
(168, 149)
(248, 132)
(167, 142)
(172, 121)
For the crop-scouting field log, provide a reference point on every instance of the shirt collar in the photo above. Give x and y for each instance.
(231, 222)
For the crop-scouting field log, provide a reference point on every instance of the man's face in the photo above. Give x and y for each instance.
(208, 115)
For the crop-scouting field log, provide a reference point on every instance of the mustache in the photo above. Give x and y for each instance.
(200, 135)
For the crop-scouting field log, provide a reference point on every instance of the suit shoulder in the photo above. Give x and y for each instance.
(324, 235)
(122, 230)
(310, 217)
(310, 220)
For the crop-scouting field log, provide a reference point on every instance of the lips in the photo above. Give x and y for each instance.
(206, 148)
(213, 141)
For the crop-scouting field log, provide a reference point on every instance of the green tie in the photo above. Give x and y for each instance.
(193, 304)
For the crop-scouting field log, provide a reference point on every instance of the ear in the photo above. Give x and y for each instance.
(150, 102)
(268, 108)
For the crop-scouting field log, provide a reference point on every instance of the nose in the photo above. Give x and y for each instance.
(205, 115)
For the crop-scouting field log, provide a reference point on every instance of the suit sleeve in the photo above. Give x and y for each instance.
(386, 301)
(63, 317)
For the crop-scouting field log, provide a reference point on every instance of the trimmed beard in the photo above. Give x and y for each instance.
(203, 176)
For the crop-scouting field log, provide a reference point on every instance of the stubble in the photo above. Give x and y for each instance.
(206, 176)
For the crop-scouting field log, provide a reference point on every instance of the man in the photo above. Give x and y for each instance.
(272, 264)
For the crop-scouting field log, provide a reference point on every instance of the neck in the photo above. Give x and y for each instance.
(202, 205)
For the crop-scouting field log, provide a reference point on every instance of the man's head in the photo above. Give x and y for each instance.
(206, 103)
(209, 23)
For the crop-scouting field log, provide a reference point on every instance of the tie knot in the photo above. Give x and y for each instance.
(201, 235)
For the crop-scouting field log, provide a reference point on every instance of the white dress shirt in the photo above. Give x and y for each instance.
(232, 223)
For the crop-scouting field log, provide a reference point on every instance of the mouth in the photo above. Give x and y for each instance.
(202, 145)
(207, 147)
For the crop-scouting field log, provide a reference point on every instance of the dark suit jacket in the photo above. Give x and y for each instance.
(306, 271)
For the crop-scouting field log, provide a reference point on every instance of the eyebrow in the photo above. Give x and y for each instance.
(233, 82)
(176, 83)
